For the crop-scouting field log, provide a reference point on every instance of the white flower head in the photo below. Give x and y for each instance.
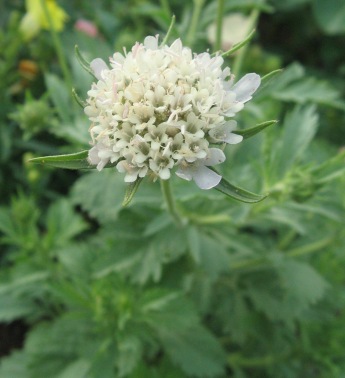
(159, 107)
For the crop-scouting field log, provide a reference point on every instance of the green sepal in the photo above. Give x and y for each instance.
(172, 23)
(239, 45)
(130, 191)
(270, 75)
(83, 62)
(247, 133)
(77, 160)
(237, 193)
(79, 101)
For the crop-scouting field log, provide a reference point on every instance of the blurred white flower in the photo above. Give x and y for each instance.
(159, 107)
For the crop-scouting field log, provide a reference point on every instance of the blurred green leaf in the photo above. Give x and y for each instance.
(14, 366)
(63, 224)
(100, 194)
(299, 128)
(330, 15)
(76, 369)
(193, 348)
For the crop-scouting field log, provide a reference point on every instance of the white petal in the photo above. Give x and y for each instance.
(131, 176)
(98, 65)
(184, 173)
(101, 165)
(245, 87)
(205, 178)
(93, 155)
(151, 43)
(176, 46)
(233, 138)
(164, 173)
(215, 156)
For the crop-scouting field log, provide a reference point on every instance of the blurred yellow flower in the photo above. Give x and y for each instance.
(36, 17)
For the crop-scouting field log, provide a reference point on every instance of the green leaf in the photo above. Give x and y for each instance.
(311, 90)
(131, 190)
(247, 133)
(299, 129)
(76, 369)
(129, 353)
(60, 96)
(14, 307)
(330, 15)
(77, 160)
(100, 194)
(15, 365)
(63, 224)
(189, 345)
(237, 193)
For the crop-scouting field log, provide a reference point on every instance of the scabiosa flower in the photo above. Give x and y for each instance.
(159, 107)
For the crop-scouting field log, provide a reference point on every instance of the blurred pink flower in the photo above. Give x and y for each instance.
(86, 27)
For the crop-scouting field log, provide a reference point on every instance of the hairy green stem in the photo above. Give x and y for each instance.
(237, 66)
(198, 4)
(170, 202)
(58, 46)
(219, 25)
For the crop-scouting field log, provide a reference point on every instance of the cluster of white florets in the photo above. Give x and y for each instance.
(160, 107)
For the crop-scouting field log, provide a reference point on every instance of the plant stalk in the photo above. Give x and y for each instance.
(238, 61)
(219, 25)
(58, 46)
(198, 4)
(170, 202)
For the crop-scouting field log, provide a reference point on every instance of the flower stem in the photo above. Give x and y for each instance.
(165, 5)
(219, 25)
(58, 46)
(237, 66)
(198, 4)
(170, 202)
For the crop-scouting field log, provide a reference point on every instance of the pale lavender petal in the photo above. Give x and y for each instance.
(98, 65)
(233, 138)
(222, 132)
(205, 178)
(230, 125)
(245, 87)
(215, 156)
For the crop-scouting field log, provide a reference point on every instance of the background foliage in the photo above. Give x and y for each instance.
(91, 289)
